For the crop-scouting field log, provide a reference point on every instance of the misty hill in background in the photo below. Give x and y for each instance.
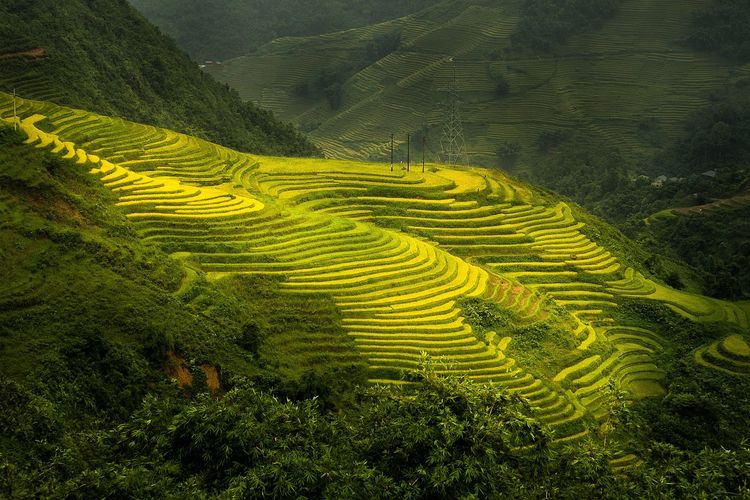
(629, 81)
(103, 55)
(220, 29)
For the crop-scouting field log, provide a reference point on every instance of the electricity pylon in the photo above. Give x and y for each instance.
(452, 144)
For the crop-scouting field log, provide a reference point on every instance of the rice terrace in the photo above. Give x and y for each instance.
(401, 253)
(488, 249)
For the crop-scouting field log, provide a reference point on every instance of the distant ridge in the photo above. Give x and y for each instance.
(630, 74)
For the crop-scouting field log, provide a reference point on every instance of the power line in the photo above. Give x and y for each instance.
(452, 143)
(424, 140)
(391, 151)
(408, 151)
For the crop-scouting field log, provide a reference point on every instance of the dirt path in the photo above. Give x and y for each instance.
(738, 201)
(36, 53)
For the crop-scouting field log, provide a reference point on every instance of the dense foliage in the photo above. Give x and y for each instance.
(104, 56)
(220, 29)
(723, 27)
(716, 243)
(717, 136)
(439, 438)
(547, 23)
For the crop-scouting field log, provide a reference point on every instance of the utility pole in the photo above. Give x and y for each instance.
(15, 119)
(391, 151)
(453, 147)
(424, 140)
(408, 151)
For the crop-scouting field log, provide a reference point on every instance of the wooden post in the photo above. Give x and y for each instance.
(424, 140)
(15, 119)
(391, 151)
(408, 151)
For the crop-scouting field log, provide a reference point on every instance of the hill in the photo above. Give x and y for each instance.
(596, 104)
(103, 55)
(291, 272)
(444, 245)
(217, 30)
(631, 83)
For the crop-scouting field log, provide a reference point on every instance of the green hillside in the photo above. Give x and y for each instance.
(265, 276)
(182, 319)
(218, 29)
(630, 84)
(93, 320)
(433, 240)
(103, 55)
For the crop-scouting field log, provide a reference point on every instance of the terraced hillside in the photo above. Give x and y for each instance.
(400, 252)
(632, 74)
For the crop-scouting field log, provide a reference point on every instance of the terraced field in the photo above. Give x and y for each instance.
(634, 71)
(33, 81)
(706, 209)
(398, 251)
(730, 355)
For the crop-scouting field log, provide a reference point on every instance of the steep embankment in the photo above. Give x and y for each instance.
(104, 56)
(490, 278)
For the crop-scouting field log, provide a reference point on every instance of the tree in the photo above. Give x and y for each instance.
(502, 86)
(383, 44)
(508, 153)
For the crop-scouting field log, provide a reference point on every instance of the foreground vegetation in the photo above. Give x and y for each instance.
(441, 438)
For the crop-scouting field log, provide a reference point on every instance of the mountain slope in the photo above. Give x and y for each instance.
(630, 84)
(103, 55)
(599, 116)
(491, 278)
(217, 29)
